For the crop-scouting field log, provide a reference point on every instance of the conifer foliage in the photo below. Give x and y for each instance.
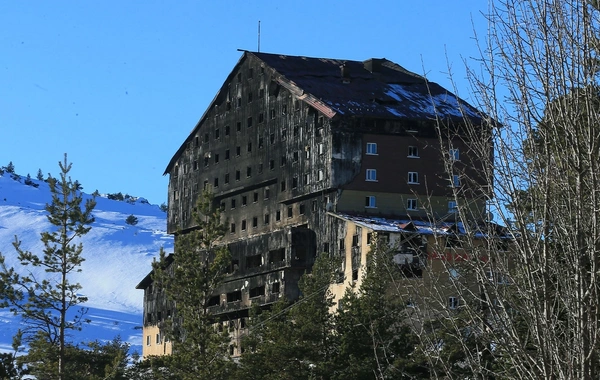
(199, 265)
(45, 303)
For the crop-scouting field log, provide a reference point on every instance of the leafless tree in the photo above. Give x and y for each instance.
(529, 300)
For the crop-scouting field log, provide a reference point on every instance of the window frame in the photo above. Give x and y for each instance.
(371, 175)
(413, 151)
(370, 201)
(371, 149)
(412, 176)
(410, 202)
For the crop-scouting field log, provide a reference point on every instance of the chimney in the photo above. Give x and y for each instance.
(345, 72)
(374, 64)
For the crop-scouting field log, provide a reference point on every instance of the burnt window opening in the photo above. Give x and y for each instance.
(283, 160)
(233, 267)
(250, 73)
(249, 172)
(238, 150)
(278, 216)
(228, 106)
(314, 205)
(295, 156)
(243, 323)
(342, 245)
(254, 222)
(222, 206)
(261, 117)
(226, 178)
(195, 165)
(272, 138)
(253, 261)
(261, 142)
(267, 193)
(296, 130)
(290, 212)
(250, 97)
(227, 130)
(326, 247)
(234, 296)
(243, 224)
(239, 102)
(237, 175)
(260, 168)
(217, 134)
(249, 148)
(284, 109)
(294, 182)
(257, 291)
(302, 209)
(275, 287)
(196, 142)
(238, 126)
(272, 165)
(214, 301)
(369, 238)
(205, 160)
(282, 186)
(206, 138)
(267, 219)
(239, 77)
(216, 158)
(355, 274)
(227, 154)
(355, 240)
(272, 113)
(255, 197)
(232, 228)
(276, 255)
(249, 122)
(261, 92)
(216, 182)
(233, 203)
(244, 200)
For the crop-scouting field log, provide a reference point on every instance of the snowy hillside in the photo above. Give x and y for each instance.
(117, 257)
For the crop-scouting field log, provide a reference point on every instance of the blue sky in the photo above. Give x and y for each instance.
(118, 85)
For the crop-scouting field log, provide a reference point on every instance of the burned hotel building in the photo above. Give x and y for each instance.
(292, 148)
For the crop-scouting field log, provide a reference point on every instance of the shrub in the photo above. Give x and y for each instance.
(131, 220)
(116, 196)
(164, 207)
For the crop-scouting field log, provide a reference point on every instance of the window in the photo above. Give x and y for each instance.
(244, 200)
(255, 199)
(255, 222)
(237, 175)
(227, 154)
(372, 148)
(290, 212)
(217, 134)
(261, 117)
(271, 164)
(216, 182)
(370, 201)
(272, 113)
(249, 148)
(249, 122)
(244, 225)
(371, 174)
(227, 130)
(267, 193)
(206, 138)
(147, 340)
(233, 203)
(413, 151)
(232, 228)
(267, 219)
(283, 134)
(275, 287)
(282, 186)
(455, 180)
(284, 109)
(216, 158)
(238, 150)
(454, 154)
(453, 303)
(238, 126)
(321, 148)
(278, 216)
(226, 178)
(239, 102)
(157, 338)
(248, 171)
(452, 207)
(260, 142)
(272, 138)
(413, 177)
(306, 179)
(411, 204)
(261, 92)
(249, 97)
(295, 157)
(320, 175)
(302, 209)
(294, 182)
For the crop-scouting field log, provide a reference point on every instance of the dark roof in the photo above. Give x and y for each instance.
(375, 88)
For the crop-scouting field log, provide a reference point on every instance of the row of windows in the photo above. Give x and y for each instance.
(245, 224)
(413, 151)
(411, 204)
(413, 178)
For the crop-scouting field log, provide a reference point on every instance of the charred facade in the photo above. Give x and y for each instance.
(289, 142)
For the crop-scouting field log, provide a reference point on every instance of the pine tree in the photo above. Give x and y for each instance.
(199, 266)
(131, 220)
(10, 168)
(44, 303)
(40, 175)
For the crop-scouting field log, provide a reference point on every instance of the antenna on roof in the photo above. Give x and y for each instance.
(259, 36)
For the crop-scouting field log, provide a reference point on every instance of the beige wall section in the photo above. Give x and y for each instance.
(154, 342)
(396, 204)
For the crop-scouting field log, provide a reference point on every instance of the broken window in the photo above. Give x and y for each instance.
(234, 296)
(253, 261)
(257, 291)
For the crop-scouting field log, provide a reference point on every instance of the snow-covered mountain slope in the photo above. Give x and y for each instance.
(117, 256)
